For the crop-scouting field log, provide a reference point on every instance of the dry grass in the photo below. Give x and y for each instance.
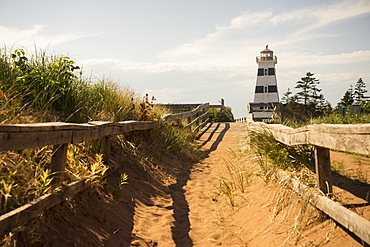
(32, 165)
(291, 214)
(42, 88)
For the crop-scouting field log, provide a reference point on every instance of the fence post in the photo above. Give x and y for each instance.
(58, 162)
(189, 120)
(197, 115)
(323, 170)
(105, 145)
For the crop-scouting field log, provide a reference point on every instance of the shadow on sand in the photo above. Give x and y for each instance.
(181, 228)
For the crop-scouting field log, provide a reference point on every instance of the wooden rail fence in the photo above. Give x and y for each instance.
(345, 137)
(60, 135)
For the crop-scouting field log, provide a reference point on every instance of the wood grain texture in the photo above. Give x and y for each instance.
(350, 220)
(204, 115)
(172, 117)
(23, 136)
(345, 137)
(201, 125)
(105, 148)
(58, 162)
(31, 210)
(222, 107)
(323, 170)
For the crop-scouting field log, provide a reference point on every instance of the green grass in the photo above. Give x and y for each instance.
(44, 88)
(38, 87)
(333, 118)
(336, 118)
(283, 156)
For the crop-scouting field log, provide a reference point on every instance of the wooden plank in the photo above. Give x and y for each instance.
(93, 130)
(25, 136)
(180, 106)
(216, 106)
(58, 162)
(222, 107)
(201, 125)
(30, 127)
(172, 117)
(105, 147)
(288, 136)
(196, 119)
(350, 220)
(323, 170)
(31, 210)
(24, 140)
(346, 137)
(343, 137)
(40, 135)
(128, 126)
(45, 133)
(228, 112)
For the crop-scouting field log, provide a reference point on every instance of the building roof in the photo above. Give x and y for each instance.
(266, 50)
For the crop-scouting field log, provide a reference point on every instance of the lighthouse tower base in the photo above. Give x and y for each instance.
(264, 112)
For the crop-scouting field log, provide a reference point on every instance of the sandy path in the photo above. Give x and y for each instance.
(203, 187)
(193, 212)
(155, 209)
(186, 216)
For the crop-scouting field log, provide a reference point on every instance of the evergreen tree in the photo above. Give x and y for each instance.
(310, 101)
(359, 92)
(348, 98)
(286, 97)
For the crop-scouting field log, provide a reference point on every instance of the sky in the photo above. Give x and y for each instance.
(198, 51)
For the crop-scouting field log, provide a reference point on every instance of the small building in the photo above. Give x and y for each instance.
(266, 96)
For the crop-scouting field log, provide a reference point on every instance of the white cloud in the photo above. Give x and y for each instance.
(334, 78)
(308, 60)
(36, 36)
(325, 15)
(125, 65)
(246, 33)
(12, 36)
(169, 94)
(222, 62)
(246, 21)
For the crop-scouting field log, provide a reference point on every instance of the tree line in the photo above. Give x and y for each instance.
(309, 101)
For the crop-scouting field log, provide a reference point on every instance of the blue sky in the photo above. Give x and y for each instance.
(199, 51)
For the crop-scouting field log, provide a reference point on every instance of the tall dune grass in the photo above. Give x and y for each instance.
(267, 149)
(44, 88)
(332, 118)
(41, 85)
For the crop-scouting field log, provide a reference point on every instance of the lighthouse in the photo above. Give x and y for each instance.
(266, 95)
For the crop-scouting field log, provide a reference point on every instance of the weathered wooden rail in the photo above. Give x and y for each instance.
(60, 135)
(196, 107)
(345, 137)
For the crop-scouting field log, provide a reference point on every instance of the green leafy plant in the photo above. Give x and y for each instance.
(5, 191)
(6, 187)
(97, 169)
(122, 182)
(219, 115)
(44, 182)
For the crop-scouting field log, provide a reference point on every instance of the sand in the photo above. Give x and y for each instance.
(190, 208)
